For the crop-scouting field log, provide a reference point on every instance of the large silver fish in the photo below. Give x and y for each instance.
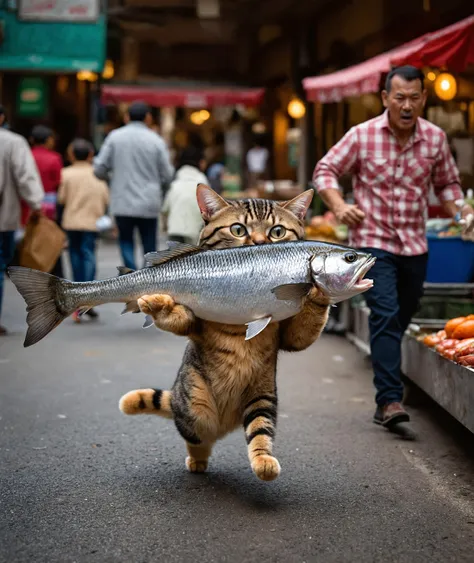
(251, 285)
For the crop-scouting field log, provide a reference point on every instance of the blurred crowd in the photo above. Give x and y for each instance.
(125, 188)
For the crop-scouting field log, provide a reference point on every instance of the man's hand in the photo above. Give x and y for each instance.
(35, 214)
(467, 220)
(349, 214)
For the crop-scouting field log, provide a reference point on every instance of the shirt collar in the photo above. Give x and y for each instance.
(137, 124)
(420, 127)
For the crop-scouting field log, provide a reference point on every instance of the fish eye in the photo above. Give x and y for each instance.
(350, 257)
(238, 230)
(278, 231)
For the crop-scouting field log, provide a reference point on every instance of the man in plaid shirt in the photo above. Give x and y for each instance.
(394, 159)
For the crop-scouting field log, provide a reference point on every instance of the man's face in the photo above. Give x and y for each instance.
(405, 102)
(2, 119)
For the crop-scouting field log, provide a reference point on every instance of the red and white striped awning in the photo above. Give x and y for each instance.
(160, 96)
(452, 47)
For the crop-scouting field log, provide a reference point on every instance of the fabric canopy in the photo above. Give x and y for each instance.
(452, 47)
(160, 96)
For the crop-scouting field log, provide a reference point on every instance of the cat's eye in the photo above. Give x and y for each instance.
(350, 257)
(278, 232)
(238, 230)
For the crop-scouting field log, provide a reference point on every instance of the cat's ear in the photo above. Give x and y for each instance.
(209, 201)
(299, 204)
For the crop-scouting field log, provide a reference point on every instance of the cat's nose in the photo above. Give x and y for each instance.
(259, 240)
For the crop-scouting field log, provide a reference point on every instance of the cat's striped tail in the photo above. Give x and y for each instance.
(147, 401)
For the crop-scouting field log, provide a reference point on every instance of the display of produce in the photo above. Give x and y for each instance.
(455, 342)
(326, 228)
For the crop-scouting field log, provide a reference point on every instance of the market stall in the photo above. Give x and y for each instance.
(446, 56)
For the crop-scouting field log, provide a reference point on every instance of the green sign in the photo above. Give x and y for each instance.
(32, 97)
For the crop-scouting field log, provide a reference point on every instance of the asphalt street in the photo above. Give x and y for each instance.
(81, 482)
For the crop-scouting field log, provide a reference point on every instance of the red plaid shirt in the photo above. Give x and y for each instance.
(391, 184)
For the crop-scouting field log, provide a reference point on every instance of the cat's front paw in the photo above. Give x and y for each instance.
(195, 466)
(153, 305)
(266, 467)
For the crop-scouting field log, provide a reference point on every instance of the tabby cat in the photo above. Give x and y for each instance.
(225, 381)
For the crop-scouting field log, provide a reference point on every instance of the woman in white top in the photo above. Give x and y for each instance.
(257, 163)
(183, 217)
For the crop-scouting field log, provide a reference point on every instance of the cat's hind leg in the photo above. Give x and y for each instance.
(259, 422)
(196, 462)
(195, 415)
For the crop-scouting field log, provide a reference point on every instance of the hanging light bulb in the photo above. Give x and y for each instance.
(296, 108)
(109, 70)
(446, 86)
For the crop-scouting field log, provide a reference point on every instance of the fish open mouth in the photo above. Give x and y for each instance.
(361, 282)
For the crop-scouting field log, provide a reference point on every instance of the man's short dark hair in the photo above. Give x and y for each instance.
(138, 111)
(40, 134)
(191, 156)
(2, 110)
(81, 149)
(407, 72)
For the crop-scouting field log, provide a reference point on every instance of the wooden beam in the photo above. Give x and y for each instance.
(182, 30)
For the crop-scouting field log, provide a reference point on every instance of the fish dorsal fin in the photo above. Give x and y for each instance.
(123, 270)
(174, 250)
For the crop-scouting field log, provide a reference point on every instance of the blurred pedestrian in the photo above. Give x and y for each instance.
(394, 159)
(19, 180)
(257, 162)
(183, 217)
(49, 164)
(138, 161)
(85, 199)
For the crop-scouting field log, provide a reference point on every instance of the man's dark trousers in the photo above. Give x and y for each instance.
(393, 300)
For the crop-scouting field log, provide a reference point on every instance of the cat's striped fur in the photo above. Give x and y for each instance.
(225, 381)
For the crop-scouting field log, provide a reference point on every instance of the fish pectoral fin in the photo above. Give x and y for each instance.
(131, 307)
(256, 327)
(148, 321)
(123, 270)
(174, 250)
(292, 291)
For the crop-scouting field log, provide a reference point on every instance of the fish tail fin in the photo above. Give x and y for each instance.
(40, 292)
(147, 401)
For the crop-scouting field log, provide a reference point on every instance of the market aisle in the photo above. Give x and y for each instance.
(81, 482)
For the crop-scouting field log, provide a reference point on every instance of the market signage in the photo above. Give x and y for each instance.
(32, 97)
(59, 10)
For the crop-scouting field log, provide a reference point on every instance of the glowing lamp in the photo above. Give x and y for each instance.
(86, 76)
(296, 109)
(445, 86)
(431, 76)
(199, 117)
(109, 70)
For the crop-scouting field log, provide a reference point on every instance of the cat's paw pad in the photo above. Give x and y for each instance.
(195, 466)
(266, 467)
(133, 402)
(154, 304)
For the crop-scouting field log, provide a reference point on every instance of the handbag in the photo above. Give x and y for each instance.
(42, 244)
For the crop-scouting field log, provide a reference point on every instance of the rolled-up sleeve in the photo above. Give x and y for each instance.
(445, 175)
(340, 159)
